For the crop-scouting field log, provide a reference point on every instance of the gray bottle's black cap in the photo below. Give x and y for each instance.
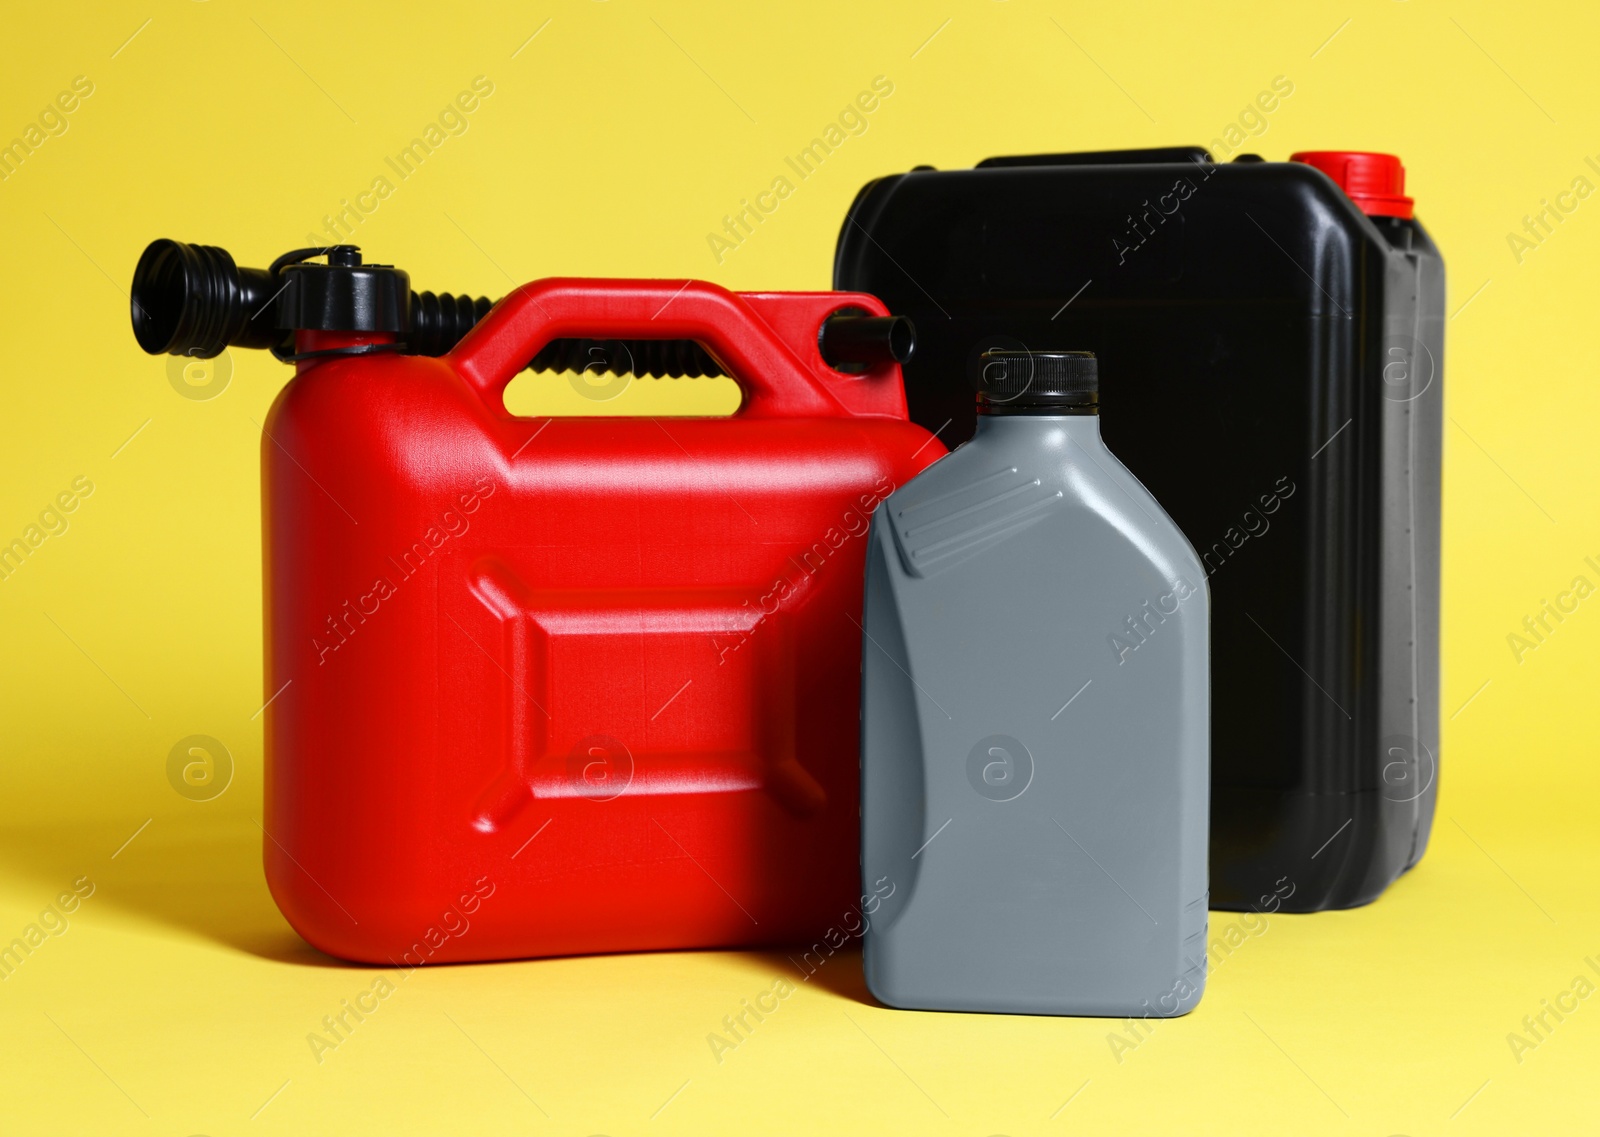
(1038, 382)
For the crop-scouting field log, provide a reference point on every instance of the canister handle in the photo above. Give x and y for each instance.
(775, 380)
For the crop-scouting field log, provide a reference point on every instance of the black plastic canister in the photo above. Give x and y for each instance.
(1276, 333)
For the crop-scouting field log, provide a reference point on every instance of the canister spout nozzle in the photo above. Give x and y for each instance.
(194, 300)
(851, 339)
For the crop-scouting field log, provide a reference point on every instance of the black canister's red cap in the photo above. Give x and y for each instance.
(1376, 183)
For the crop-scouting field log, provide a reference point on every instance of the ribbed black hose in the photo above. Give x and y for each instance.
(193, 300)
(670, 359)
(440, 320)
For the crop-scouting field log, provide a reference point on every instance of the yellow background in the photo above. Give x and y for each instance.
(178, 1000)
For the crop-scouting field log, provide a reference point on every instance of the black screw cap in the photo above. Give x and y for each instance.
(1038, 382)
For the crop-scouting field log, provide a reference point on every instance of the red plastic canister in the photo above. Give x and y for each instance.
(566, 685)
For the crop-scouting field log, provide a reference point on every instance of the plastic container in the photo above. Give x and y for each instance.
(1035, 709)
(557, 685)
(1277, 345)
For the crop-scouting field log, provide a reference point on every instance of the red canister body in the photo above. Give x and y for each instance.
(567, 685)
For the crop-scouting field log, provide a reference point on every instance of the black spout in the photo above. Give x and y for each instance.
(193, 300)
(866, 340)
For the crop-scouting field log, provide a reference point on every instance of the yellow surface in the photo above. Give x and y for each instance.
(175, 1000)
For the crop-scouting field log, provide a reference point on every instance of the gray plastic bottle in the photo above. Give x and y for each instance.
(1035, 708)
